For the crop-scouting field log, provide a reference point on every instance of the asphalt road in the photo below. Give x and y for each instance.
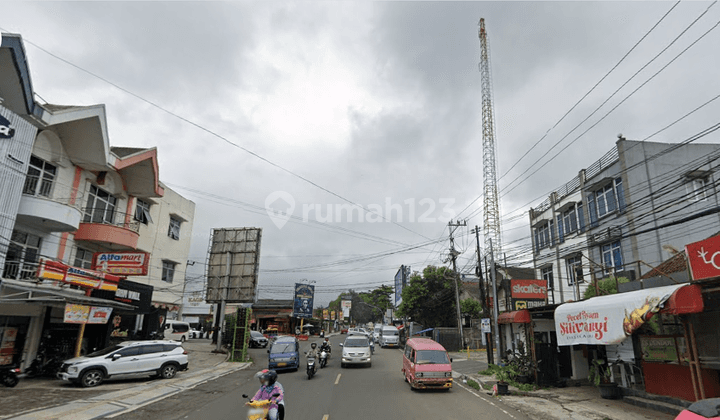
(377, 392)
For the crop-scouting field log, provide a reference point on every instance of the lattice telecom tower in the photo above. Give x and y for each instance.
(491, 204)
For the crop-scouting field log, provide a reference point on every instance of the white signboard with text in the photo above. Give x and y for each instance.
(608, 319)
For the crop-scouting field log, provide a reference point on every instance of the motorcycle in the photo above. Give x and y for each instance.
(42, 366)
(258, 409)
(9, 376)
(311, 368)
(323, 359)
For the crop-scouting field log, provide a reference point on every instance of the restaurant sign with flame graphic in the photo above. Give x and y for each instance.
(608, 319)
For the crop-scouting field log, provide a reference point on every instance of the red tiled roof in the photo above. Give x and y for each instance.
(675, 264)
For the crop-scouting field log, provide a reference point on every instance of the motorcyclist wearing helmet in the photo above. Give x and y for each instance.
(313, 353)
(268, 388)
(325, 346)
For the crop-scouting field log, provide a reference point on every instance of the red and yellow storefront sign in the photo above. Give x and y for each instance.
(53, 270)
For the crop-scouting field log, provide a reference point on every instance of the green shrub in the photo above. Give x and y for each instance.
(473, 384)
(491, 370)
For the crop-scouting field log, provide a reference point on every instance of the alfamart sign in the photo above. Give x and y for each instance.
(609, 319)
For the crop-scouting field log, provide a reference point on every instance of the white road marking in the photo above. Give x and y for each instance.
(337, 381)
(326, 417)
(484, 399)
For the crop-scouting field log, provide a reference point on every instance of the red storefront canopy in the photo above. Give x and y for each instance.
(685, 300)
(515, 317)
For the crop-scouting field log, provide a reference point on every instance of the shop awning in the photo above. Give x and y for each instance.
(515, 317)
(610, 319)
(16, 291)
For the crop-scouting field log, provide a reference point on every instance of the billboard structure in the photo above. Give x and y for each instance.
(400, 282)
(232, 269)
(303, 301)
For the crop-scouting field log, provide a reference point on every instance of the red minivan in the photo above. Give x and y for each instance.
(426, 364)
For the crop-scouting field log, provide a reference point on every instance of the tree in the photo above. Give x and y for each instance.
(430, 299)
(471, 307)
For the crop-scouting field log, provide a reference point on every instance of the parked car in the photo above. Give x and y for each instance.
(257, 339)
(157, 358)
(193, 333)
(344, 331)
(389, 336)
(284, 353)
(356, 350)
(426, 364)
(177, 330)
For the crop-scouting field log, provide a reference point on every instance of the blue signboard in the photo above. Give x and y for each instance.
(303, 305)
(400, 281)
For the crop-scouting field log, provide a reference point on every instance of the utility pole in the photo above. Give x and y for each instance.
(483, 296)
(453, 254)
(495, 304)
(221, 308)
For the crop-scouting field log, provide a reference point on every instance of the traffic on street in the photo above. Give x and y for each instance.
(354, 392)
(340, 210)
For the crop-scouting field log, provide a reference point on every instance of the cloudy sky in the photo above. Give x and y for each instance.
(321, 104)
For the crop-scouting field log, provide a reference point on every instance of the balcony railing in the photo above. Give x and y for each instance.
(598, 166)
(19, 270)
(52, 190)
(100, 215)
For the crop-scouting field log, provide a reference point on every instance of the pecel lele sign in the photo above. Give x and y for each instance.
(608, 319)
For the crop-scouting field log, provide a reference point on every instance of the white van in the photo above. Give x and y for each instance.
(389, 336)
(177, 330)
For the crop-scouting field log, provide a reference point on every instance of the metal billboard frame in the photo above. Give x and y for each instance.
(232, 265)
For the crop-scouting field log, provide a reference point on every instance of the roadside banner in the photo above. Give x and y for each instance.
(346, 305)
(609, 319)
(303, 303)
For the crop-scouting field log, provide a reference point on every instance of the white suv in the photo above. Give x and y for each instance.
(156, 358)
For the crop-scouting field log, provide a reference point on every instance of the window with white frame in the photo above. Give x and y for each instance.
(574, 269)
(174, 228)
(697, 188)
(612, 256)
(547, 275)
(100, 206)
(40, 177)
(83, 258)
(168, 271)
(542, 235)
(142, 211)
(23, 255)
(569, 218)
(606, 200)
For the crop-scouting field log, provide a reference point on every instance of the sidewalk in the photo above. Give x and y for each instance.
(572, 403)
(49, 398)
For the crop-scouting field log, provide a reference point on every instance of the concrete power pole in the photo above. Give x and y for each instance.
(483, 296)
(453, 254)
